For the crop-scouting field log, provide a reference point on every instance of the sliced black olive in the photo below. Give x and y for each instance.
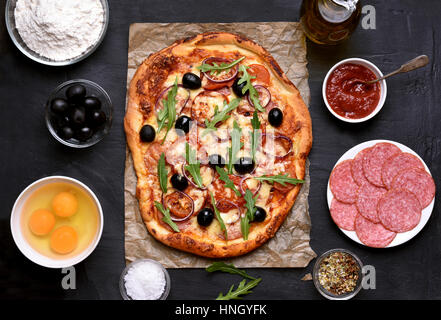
(76, 93)
(191, 81)
(147, 133)
(78, 116)
(237, 88)
(59, 106)
(275, 117)
(179, 182)
(216, 160)
(260, 214)
(92, 103)
(244, 165)
(84, 133)
(67, 133)
(183, 123)
(205, 217)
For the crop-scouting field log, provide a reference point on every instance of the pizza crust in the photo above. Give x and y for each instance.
(146, 85)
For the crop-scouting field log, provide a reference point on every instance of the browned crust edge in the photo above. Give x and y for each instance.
(133, 122)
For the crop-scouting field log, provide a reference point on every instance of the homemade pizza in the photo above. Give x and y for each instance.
(219, 138)
(382, 194)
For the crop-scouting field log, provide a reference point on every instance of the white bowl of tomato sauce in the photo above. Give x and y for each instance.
(346, 95)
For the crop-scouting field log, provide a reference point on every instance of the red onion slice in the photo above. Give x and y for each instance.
(187, 196)
(190, 178)
(200, 110)
(242, 189)
(282, 137)
(182, 97)
(231, 74)
(233, 205)
(264, 96)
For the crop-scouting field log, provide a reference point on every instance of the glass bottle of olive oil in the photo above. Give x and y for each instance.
(329, 21)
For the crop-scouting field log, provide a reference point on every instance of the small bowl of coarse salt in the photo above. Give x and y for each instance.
(57, 32)
(144, 279)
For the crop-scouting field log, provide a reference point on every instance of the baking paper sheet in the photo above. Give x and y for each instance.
(290, 246)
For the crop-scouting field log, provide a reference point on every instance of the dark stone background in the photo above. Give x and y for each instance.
(411, 115)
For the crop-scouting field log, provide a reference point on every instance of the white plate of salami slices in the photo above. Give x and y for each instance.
(381, 193)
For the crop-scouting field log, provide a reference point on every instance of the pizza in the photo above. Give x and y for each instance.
(219, 138)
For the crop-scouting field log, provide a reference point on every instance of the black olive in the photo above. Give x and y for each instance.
(205, 217)
(216, 160)
(147, 133)
(78, 116)
(59, 105)
(92, 103)
(62, 121)
(97, 118)
(244, 165)
(275, 117)
(237, 88)
(191, 81)
(84, 133)
(76, 93)
(67, 133)
(183, 123)
(260, 214)
(179, 182)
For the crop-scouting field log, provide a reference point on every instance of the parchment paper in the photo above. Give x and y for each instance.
(290, 246)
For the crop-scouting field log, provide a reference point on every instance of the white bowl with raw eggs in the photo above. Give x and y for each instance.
(57, 222)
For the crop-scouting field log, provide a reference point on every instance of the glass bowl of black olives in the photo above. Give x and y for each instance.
(79, 113)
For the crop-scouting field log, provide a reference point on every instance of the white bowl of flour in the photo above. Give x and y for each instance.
(57, 32)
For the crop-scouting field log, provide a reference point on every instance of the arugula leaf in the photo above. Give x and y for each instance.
(249, 215)
(236, 145)
(222, 115)
(162, 116)
(229, 268)
(193, 166)
(168, 114)
(228, 183)
(255, 135)
(282, 179)
(217, 68)
(218, 216)
(166, 218)
(162, 173)
(242, 289)
(253, 94)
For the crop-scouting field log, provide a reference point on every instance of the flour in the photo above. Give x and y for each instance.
(59, 29)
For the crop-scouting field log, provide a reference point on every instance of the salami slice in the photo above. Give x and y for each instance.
(397, 163)
(374, 159)
(372, 234)
(399, 210)
(343, 214)
(342, 184)
(417, 181)
(357, 168)
(367, 201)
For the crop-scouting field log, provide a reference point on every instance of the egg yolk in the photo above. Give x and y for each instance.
(41, 222)
(64, 240)
(65, 204)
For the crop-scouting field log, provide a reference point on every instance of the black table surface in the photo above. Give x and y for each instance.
(411, 115)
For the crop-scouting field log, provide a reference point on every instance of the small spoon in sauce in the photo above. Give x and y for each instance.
(413, 64)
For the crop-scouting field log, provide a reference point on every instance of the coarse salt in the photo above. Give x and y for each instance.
(145, 281)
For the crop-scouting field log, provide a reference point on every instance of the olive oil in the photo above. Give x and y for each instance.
(329, 22)
(85, 221)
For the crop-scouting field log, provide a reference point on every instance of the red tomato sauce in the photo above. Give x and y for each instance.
(346, 93)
